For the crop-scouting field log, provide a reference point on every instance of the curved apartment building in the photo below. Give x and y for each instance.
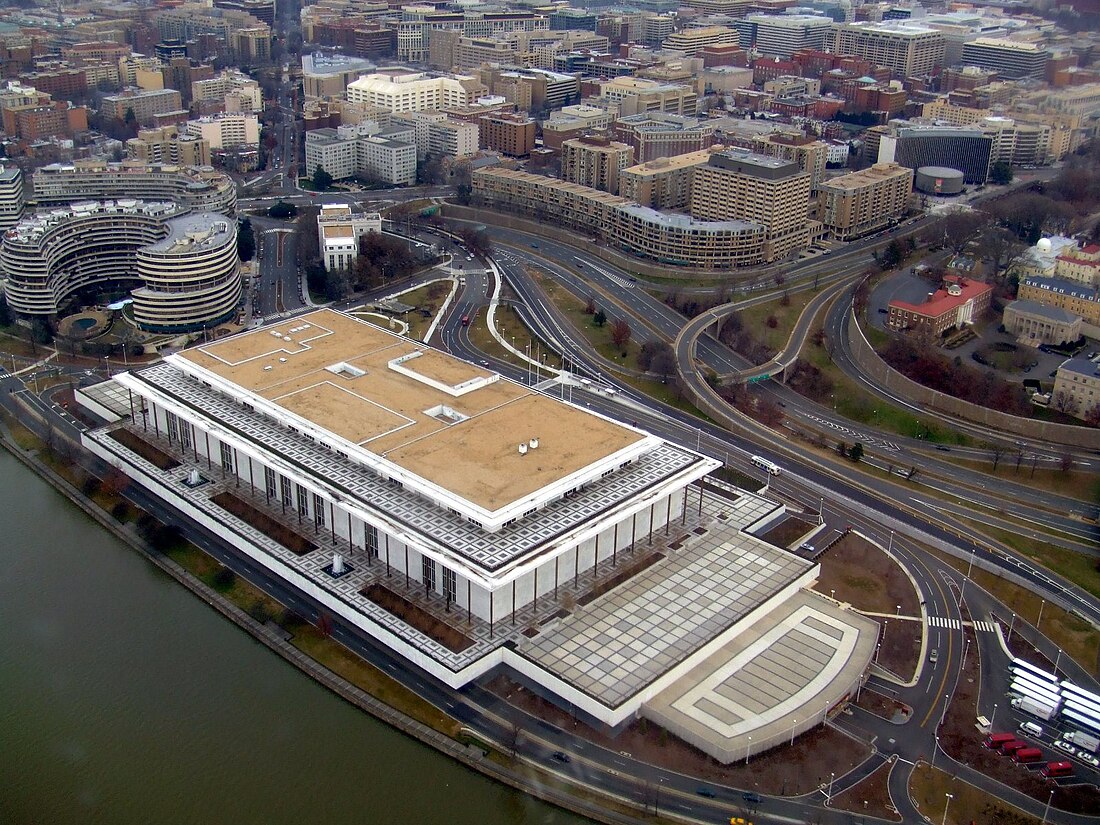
(193, 188)
(661, 236)
(187, 264)
(191, 277)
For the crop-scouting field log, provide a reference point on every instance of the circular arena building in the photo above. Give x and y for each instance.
(939, 180)
(184, 265)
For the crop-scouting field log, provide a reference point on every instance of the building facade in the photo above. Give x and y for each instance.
(185, 264)
(1034, 324)
(595, 161)
(227, 131)
(957, 303)
(12, 197)
(666, 237)
(966, 149)
(165, 145)
(339, 231)
(509, 134)
(766, 191)
(414, 91)
(1077, 387)
(1012, 59)
(194, 188)
(907, 49)
(660, 135)
(144, 104)
(808, 152)
(863, 202)
(1059, 293)
(388, 155)
(664, 183)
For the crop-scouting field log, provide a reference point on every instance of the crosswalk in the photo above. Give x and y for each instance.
(956, 624)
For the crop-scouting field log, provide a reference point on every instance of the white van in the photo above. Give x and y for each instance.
(1032, 728)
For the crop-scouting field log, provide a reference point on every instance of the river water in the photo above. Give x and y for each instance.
(124, 699)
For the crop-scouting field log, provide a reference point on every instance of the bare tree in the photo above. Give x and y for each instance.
(1066, 461)
(1065, 402)
(960, 226)
(998, 451)
(620, 332)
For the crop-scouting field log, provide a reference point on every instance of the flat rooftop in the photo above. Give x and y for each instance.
(445, 420)
(619, 644)
(774, 680)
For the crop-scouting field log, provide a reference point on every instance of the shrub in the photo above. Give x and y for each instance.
(259, 612)
(224, 579)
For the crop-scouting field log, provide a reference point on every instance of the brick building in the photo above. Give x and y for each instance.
(959, 301)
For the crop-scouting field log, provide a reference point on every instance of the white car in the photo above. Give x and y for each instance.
(1065, 746)
(1088, 759)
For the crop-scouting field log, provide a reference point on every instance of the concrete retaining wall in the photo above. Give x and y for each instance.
(871, 364)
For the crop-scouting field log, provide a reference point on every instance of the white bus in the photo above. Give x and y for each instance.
(764, 464)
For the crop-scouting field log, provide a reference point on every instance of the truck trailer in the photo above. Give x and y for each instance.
(1043, 711)
(1084, 741)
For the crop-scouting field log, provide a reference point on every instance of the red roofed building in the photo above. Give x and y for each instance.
(959, 301)
(1081, 264)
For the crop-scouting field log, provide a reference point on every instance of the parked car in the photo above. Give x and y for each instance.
(751, 797)
(707, 792)
(1088, 759)
(1062, 745)
(933, 655)
(560, 756)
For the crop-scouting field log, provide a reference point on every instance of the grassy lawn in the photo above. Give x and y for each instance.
(429, 297)
(1072, 483)
(17, 346)
(573, 307)
(754, 319)
(929, 788)
(369, 679)
(512, 329)
(1077, 567)
(1076, 637)
(853, 402)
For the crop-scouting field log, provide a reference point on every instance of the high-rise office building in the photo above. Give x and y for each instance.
(744, 186)
(905, 48)
(781, 35)
(1012, 59)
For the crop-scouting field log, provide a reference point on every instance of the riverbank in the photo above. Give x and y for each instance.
(526, 777)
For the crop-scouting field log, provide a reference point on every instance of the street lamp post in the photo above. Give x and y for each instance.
(1046, 810)
(993, 716)
(1057, 659)
(748, 747)
(945, 807)
(970, 566)
(1011, 625)
(899, 609)
(935, 747)
(794, 727)
(1042, 604)
(829, 797)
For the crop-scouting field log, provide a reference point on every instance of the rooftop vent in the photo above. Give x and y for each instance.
(534, 443)
(523, 449)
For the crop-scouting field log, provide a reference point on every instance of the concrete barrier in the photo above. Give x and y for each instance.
(872, 365)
